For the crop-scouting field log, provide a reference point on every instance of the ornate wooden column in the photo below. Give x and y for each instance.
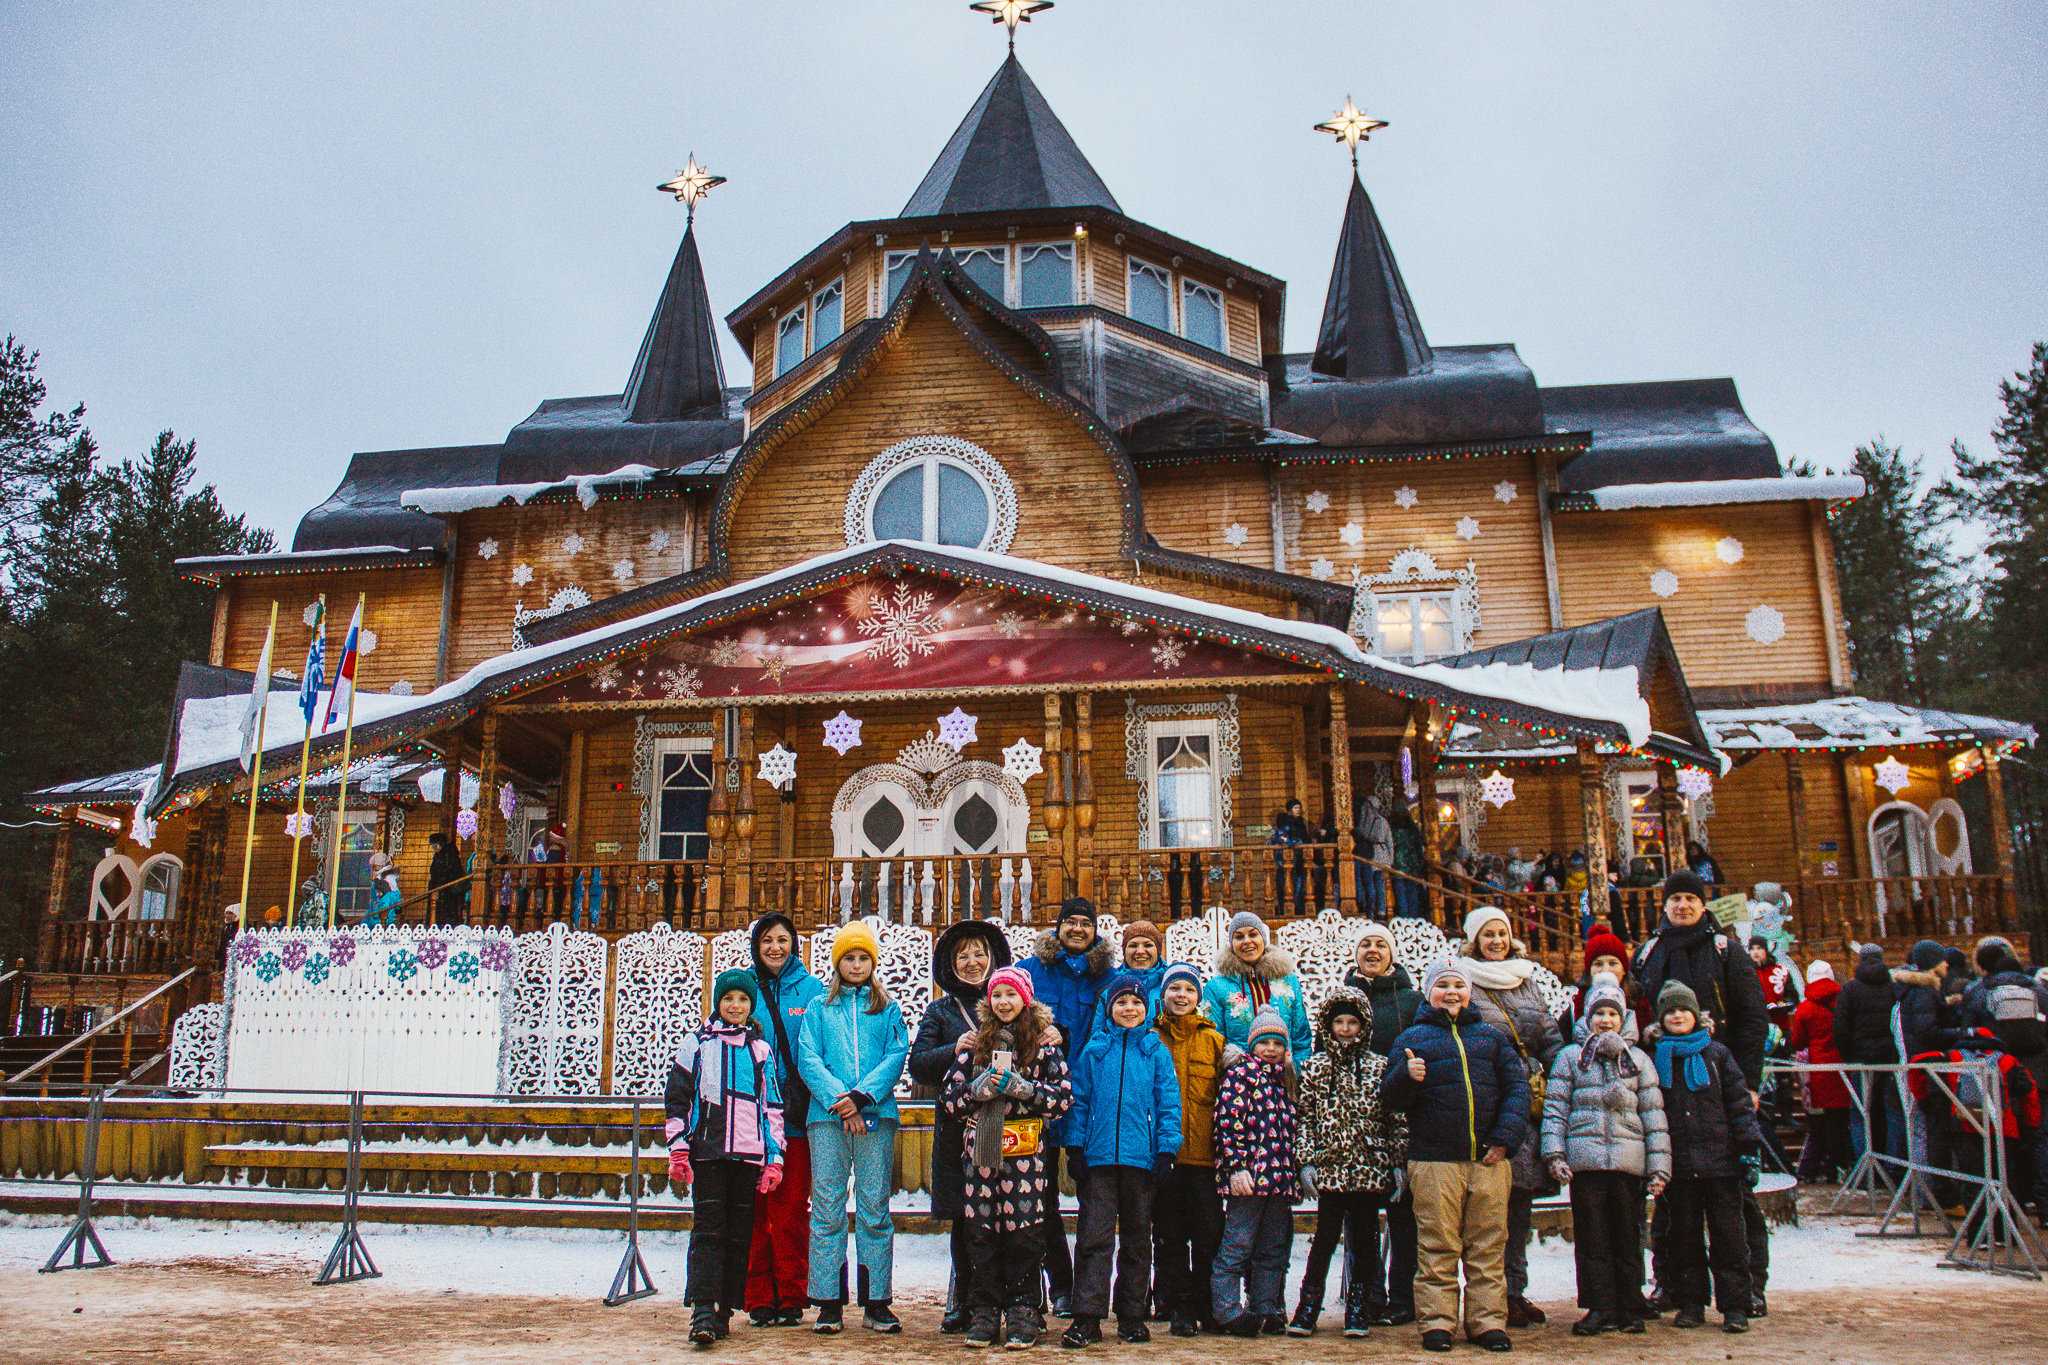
(1671, 810)
(2001, 837)
(60, 874)
(1084, 791)
(1057, 872)
(1593, 825)
(451, 785)
(717, 818)
(487, 817)
(1795, 812)
(1340, 799)
(573, 769)
(1424, 750)
(745, 818)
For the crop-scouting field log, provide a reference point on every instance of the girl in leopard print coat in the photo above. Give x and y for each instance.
(1350, 1151)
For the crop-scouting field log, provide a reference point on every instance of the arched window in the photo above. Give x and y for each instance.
(939, 489)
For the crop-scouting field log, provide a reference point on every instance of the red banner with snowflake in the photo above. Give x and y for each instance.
(913, 632)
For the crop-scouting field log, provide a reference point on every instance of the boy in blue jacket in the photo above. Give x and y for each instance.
(1124, 1131)
(1465, 1091)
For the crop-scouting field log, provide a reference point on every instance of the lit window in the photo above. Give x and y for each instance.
(353, 894)
(1184, 797)
(789, 340)
(986, 266)
(681, 798)
(1045, 275)
(1415, 626)
(1151, 295)
(827, 311)
(1201, 314)
(896, 267)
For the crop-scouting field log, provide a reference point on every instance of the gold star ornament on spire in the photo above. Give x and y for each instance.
(691, 184)
(1010, 13)
(1351, 126)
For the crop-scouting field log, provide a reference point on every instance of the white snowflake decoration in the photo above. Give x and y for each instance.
(1468, 528)
(310, 614)
(142, 829)
(956, 729)
(1010, 625)
(1664, 583)
(401, 688)
(1728, 550)
(1893, 775)
(1765, 624)
(487, 548)
(606, 677)
(1505, 491)
(1022, 760)
(298, 825)
(568, 599)
(1405, 498)
(1236, 534)
(1694, 783)
(1321, 569)
(679, 682)
(725, 653)
(1496, 789)
(1317, 501)
(778, 767)
(465, 824)
(1170, 652)
(659, 541)
(522, 574)
(1130, 626)
(1353, 534)
(572, 544)
(842, 732)
(622, 570)
(901, 625)
(508, 801)
(366, 643)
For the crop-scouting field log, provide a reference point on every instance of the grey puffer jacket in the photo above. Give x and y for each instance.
(1525, 1018)
(1606, 1113)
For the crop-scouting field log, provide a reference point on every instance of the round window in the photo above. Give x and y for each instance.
(937, 489)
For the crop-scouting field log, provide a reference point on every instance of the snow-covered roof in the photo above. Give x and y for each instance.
(587, 487)
(1715, 492)
(109, 789)
(1853, 723)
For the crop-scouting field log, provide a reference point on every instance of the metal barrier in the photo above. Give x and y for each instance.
(1992, 1235)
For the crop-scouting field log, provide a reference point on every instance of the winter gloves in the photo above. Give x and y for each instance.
(1016, 1087)
(1560, 1170)
(770, 1181)
(1752, 1169)
(1162, 1166)
(679, 1165)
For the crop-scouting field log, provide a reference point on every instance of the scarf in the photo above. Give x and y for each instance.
(1504, 975)
(989, 1114)
(1689, 1046)
(1607, 1047)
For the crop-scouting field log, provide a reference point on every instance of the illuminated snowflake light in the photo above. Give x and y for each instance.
(1694, 783)
(1496, 789)
(956, 728)
(842, 732)
(1893, 775)
(778, 767)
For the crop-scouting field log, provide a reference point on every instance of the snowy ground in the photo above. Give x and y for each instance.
(183, 1290)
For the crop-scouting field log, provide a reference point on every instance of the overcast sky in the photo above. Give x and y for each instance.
(292, 232)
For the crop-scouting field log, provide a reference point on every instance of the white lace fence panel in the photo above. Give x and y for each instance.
(389, 1008)
(554, 1037)
(1324, 948)
(658, 997)
(199, 1048)
(905, 968)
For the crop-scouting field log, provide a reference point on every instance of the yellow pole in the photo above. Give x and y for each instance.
(291, 902)
(348, 735)
(255, 781)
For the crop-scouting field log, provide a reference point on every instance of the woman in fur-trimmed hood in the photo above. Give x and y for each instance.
(1253, 974)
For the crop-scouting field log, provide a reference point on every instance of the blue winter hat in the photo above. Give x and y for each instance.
(1180, 971)
(1927, 955)
(1123, 983)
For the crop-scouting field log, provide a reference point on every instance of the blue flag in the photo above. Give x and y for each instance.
(316, 663)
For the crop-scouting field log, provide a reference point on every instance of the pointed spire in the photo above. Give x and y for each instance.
(679, 373)
(1370, 330)
(1010, 152)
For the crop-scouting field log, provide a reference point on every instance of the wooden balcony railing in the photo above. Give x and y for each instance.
(1866, 909)
(99, 947)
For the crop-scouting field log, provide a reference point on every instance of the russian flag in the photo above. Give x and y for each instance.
(344, 672)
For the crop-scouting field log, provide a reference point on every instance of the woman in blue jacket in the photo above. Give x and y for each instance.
(850, 1056)
(1125, 1133)
(1251, 975)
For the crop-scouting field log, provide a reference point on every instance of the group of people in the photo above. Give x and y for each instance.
(1193, 1115)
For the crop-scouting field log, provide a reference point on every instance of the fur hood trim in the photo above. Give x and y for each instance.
(1913, 976)
(1101, 957)
(1359, 1003)
(1277, 962)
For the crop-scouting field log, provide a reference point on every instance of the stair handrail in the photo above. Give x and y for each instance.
(97, 1029)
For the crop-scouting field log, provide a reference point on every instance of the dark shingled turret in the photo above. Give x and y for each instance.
(1010, 152)
(1370, 330)
(678, 373)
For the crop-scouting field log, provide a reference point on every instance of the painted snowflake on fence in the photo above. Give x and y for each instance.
(522, 574)
(957, 729)
(1664, 583)
(496, 954)
(902, 624)
(463, 967)
(402, 965)
(342, 949)
(1468, 528)
(1353, 534)
(1765, 624)
(777, 767)
(1170, 652)
(1023, 760)
(842, 733)
(1317, 501)
(1236, 534)
(680, 682)
(316, 969)
(1405, 498)
(487, 548)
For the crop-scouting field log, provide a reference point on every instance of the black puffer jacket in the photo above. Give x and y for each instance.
(1719, 972)
(1394, 1003)
(951, 1018)
(1924, 1015)
(1712, 1127)
(1474, 1095)
(1863, 1014)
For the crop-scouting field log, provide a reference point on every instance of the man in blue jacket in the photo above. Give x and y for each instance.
(1068, 966)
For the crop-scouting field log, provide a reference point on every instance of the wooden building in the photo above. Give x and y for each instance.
(1029, 562)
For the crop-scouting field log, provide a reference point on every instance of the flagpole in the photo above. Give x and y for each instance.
(348, 735)
(291, 904)
(255, 780)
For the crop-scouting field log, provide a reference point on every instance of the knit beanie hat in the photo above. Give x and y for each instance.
(1077, 906)
(1144, 928)
(1439, 970)
(1676, 995)
(1927, 955)
(1123, 983)
(734, 979)
(1374, 929)
(1958, 961)
(1267, 1023)
(1875, 950)
(1992, 950)
(1819, 970)
(1479, 918)
(1607, 991)
(855, 935)
(1245, 919)
(1682, 881)
(1017, 979)
(1180, 971)
(1606, 943)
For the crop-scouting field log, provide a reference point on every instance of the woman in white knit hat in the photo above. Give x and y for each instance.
(1504, 996)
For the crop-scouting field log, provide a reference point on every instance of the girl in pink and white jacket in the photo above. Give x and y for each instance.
(724, 1131)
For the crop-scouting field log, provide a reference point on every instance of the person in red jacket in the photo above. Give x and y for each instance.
(1827, 1150)
(1781, 993)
